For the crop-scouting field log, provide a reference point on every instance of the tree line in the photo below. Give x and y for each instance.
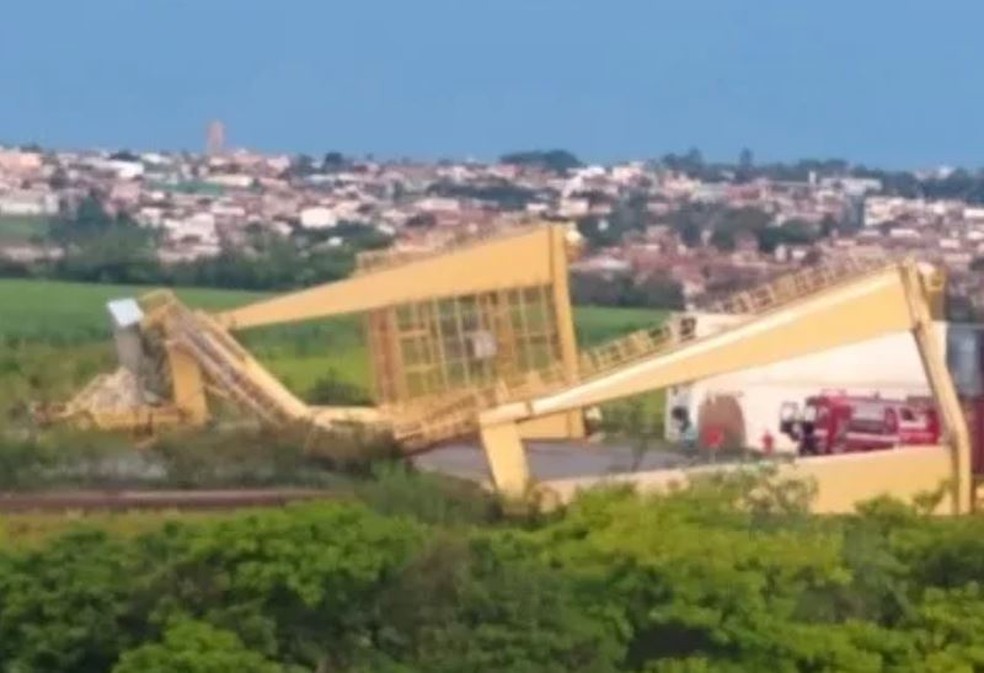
(731, 575)
(659, 291)
(95, 246)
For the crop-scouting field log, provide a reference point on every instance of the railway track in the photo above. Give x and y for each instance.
(128, 500)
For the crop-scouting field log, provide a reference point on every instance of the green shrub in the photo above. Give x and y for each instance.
(195, 647)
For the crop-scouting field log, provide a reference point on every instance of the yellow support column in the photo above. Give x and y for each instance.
(559, 244)
(944, 391)
(187, 386)
(507, 459)
(567, 425)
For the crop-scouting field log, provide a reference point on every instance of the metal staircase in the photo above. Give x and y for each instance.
(637, 345)
(231, 369)
(681, 328)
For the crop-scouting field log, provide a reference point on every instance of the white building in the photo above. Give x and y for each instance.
(127, 170)
(436, 204)
(318, 217)
(16, 161)
(199, 227)
(234, 180)
(29, 203)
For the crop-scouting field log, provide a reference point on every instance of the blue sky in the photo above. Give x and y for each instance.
(887, 82)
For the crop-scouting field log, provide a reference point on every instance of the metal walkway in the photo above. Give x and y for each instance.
(230, 368)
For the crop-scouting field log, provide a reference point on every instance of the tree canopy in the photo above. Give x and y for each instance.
(733, 574)
(105, 248)
(557, 160)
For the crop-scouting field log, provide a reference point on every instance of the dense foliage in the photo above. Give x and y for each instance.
(98, 247)
(728, 576)
(499, 193)
(724, 226)
(962, 184)
(556, 160)
(659, 292)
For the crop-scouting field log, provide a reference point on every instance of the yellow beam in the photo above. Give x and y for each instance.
(889, 301)
(843, 480)
(569, 356)
(873, 306)
(507, 459)
(933, 356)
(516, 260)
(187, 386)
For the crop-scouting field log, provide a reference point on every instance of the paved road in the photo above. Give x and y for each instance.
(549, 460)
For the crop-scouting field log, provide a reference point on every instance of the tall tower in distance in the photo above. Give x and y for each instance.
(215, 138)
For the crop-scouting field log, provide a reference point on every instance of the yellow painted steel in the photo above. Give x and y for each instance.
(568, 425)
(573, 420)
(508, 283)
(894, 298)
(842, 480)
(496, 276)
(518, 259)
(188, 386)
(201, 357)
(933, 353)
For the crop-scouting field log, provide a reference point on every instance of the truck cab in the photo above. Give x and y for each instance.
(839, 423)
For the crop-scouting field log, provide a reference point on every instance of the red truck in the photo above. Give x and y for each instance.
(835, 422)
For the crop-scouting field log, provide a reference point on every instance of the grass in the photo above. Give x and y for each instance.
(42, 309)
(20, 229)
(301, 373)
(595, 324)
(41, 321)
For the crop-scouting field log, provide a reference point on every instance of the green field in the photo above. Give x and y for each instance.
(67, 312)
(49, 309)
(62, 329)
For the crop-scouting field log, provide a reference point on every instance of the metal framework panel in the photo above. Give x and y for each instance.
(464, 342)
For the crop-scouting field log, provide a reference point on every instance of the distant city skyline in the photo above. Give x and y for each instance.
(884, 83)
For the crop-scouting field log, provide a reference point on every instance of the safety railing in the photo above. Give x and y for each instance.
(796, 285)
(636, 345)
(455, 414)
(438, 418)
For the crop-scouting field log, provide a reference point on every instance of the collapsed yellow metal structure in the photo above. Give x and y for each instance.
(445, 329)
(479, 339)
(786, 320)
